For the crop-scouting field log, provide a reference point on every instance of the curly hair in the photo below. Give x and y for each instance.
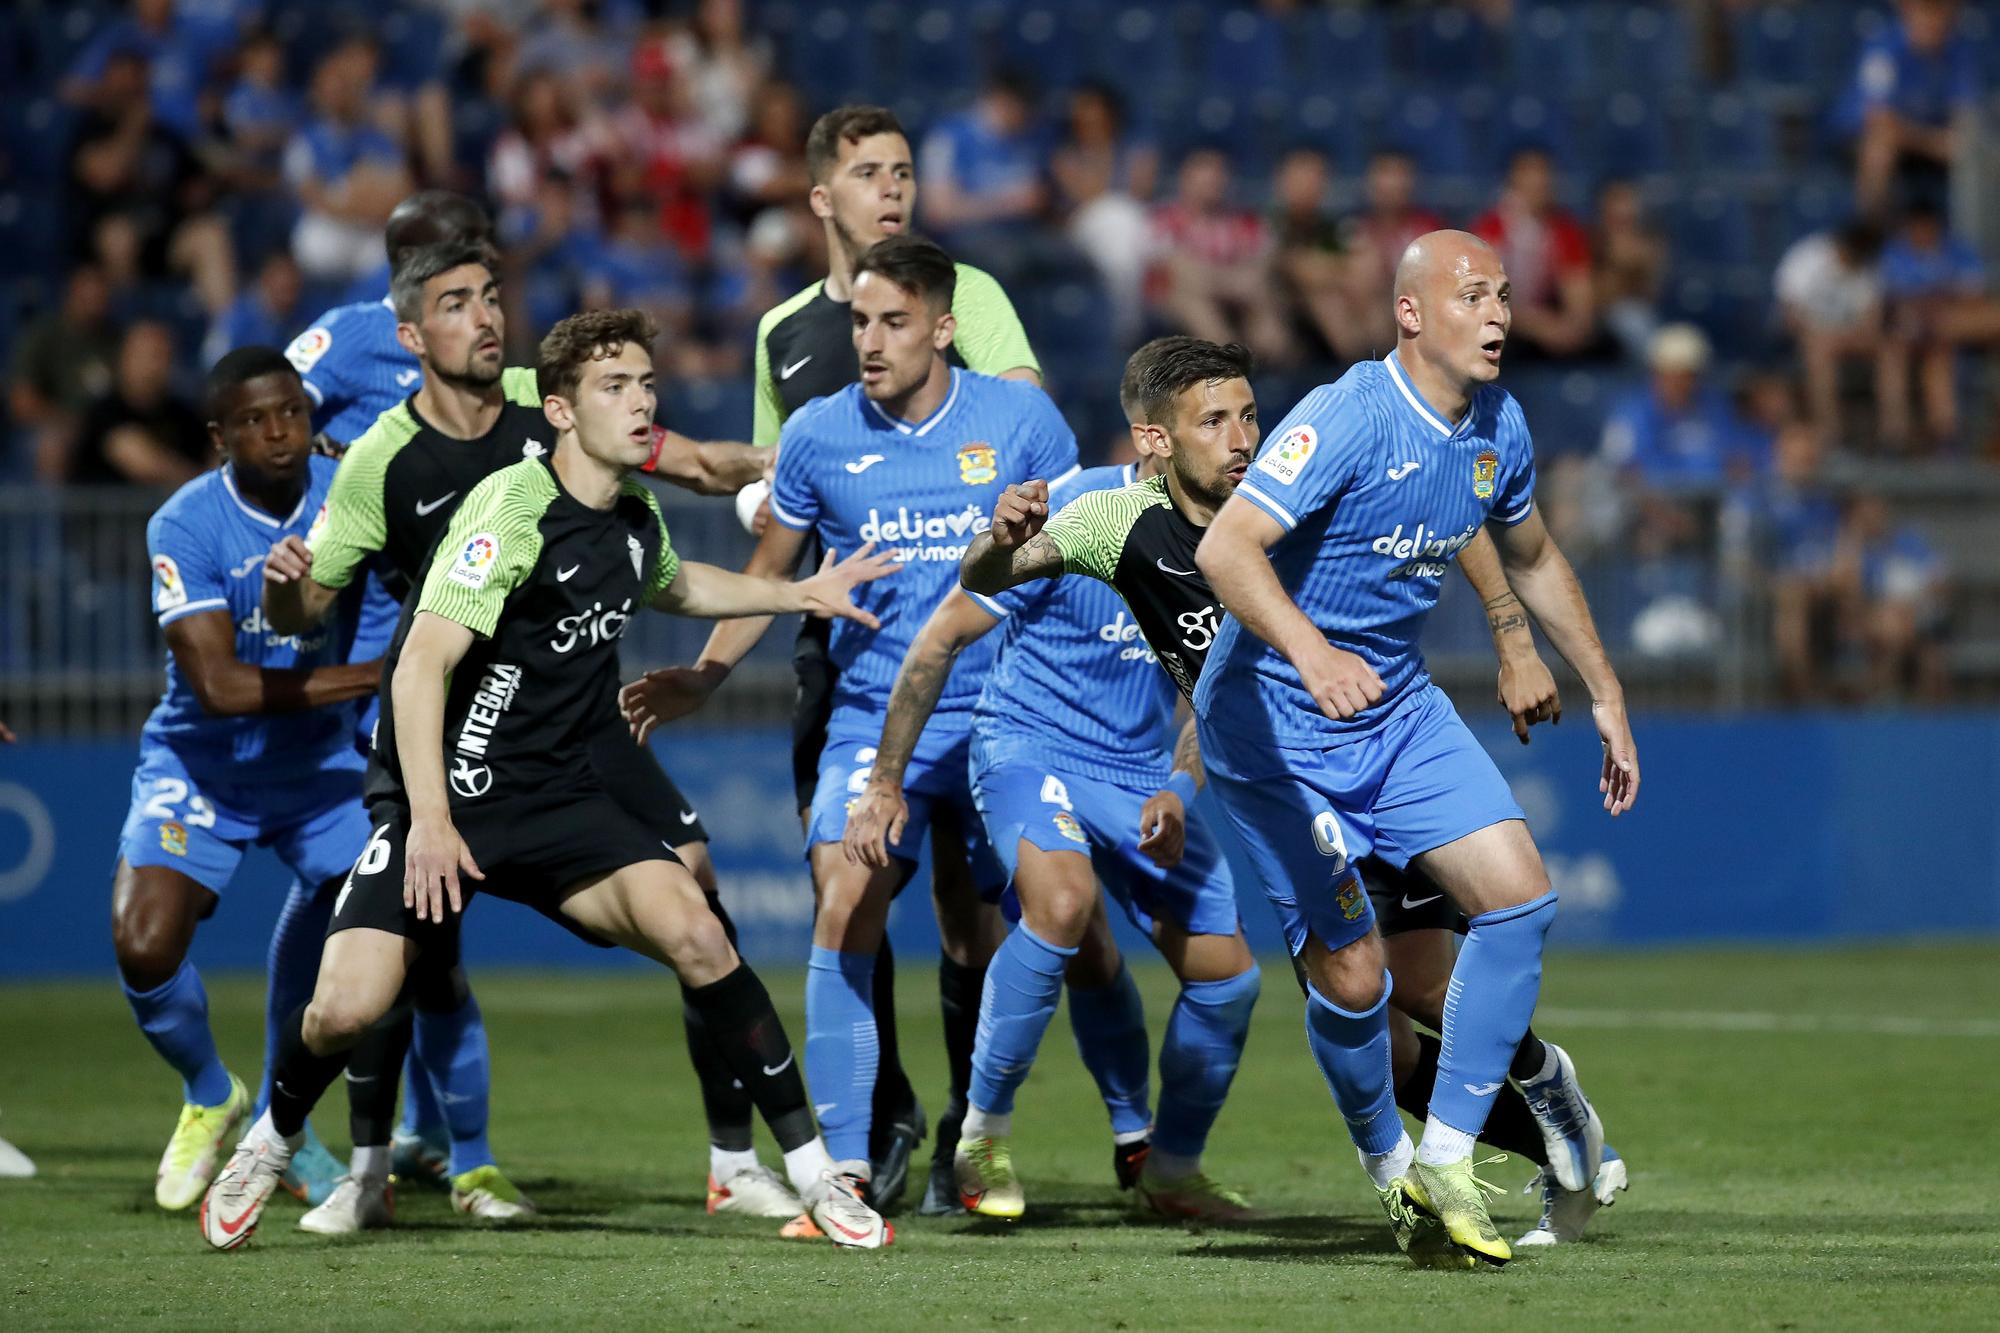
(590, 336)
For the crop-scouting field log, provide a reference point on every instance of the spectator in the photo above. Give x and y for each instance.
(1103, 176)
(345, 173)
(723, 65)
(1312, 257)
(1830, 299)
(259, 112)
(545, 133)
(768, 168)
(982, 168)
(1895, 581)
(1915, 92)
(176, 52)
(1934, 296)
(1800, 517)
(637, 266)
(268, 314)
(1377, 236)
(569, 40)
(62, 362)
(1547, 257)
(665, 153)
(551, 245)
(1630, 269)
(1212, 275)
(1678, 432)
(140, 432)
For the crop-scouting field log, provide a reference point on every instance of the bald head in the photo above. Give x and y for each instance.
(1440, 254)
(1452, 315)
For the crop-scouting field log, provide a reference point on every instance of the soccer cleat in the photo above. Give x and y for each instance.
(314, 1173)
(355, 1205)
(983, 1173)
(941, 1191)
(1194, 1198)
(1418, 1234)
(1457, 1198)
(756, 1192)
(235, 1201)
(1565, 1213)
(14, 1164)
(845, 1218)
(892, 1169)
(417, 1160)
(801, 1227)
(486, 1194)
(189, 1161)
(1128, 1161)
(1570, 1129)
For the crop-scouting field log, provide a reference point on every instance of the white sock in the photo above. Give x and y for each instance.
(986, 1124)
(725, 1164)
(370, 1163)
(1131, 1136)
(1551, 1064)
(1383, 1167)
(804, 1165)
(1444, 1145)
(1170, 1166)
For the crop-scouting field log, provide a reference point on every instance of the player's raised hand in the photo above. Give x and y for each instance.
(289, 561)
(874, 824)
(1341, 683)
(433, 857)
(664, 695)
(1019, 513)
(1163, 828)
(829, 593)
(1619, 780)
(1528, 693)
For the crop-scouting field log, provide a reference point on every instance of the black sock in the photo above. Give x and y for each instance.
(299, 1078)
(1529, 1057)
(736, 1012)
(724, 1100)
(374, 1074)
(1510, 1126)
(958, 997)
(893, 1093)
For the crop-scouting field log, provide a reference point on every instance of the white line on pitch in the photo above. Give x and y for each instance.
(1833, 1025)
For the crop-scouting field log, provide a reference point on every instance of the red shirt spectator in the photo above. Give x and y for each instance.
(1547, 254)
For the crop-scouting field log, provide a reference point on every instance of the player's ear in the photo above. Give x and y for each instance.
(944, 330)
(409, 339)
(1408, 316)
(820, 201)
(559, 411)
(1152, 439)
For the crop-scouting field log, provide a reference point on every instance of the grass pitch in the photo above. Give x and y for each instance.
(1800, 1128)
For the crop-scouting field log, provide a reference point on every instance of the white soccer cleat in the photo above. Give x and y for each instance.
(486, 1195)
(844, 1217)
(356, 1204)
(14, 1164)
(234, 1203)
(200, 1135)
(1571, 1131)
(1565, 1213)
(755, 1192)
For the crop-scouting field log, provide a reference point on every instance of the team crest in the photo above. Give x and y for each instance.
(638, 554)
(978, 464)
(1484, 469)
(1289, 456)
(1067, 826)
(475, 560)
(1353, 902)
(172, 592)
(174, 838)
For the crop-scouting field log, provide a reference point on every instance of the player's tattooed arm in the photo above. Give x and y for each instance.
(1527, 689)
(1015, 548)
(204, 649)
(294, 602)
(877, 818)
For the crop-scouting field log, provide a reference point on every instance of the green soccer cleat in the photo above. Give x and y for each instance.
(984, 1170)
(1195, 1198)
(485, 1193)
(1455, 1197)
(1418, 1234)
(195, 1151)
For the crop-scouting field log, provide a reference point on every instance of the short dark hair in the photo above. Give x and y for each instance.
(430, 216)
(1159, 371)
(238, 368)
(919, 266)
(584, 338)
(845, 124)
(419, 266)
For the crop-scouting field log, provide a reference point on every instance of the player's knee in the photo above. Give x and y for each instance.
(336, 1019)
(1060, 910)
(150, 943)
(1352, 976)
(697, 946)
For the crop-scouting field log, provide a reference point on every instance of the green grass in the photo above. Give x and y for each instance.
(1798, 1163)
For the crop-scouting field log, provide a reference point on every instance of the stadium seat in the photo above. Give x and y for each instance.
(1626, 135)
(1331, 123)
(1134, 50)
(828, 61)
(1429, 129)
(1444, 44)
(1816, 202)
(1528, 120)
(1639, 46)
(1545, 42)
(1730, 132)
(1244, 49)
(939, 55)
(1713, 225)
(1346, 48)
(1038, 38)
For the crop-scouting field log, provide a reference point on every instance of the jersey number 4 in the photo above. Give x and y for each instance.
(1055, 793)
(170, 792)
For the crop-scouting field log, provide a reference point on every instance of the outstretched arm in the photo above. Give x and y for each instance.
(708, 467)
(1014, 549)
(204, 649)
(294, 601)
(709, 593)
(1527, 689)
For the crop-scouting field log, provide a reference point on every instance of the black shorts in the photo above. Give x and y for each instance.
(532, 850)
(812, 707)
(632, 775)
(1406, 900)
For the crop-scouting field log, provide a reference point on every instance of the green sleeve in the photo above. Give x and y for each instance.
(351, 527)
(669, 564)
(521, 386)
(490, 548)
(1090, 530)
(990, 336)
(767, 415)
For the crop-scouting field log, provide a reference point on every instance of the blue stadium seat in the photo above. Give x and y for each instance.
(1530, 120)
(940, 56)
(1245, 49)
(1729, 132)
(1545, 45)
(1038, 37)
(829, 61)
(1346, 49)
(1134, 50)
(1638, 46)
(1817, 202)
(1713, 225)
(1627, 135)
(1429, 129)
(1775, 44)
(1445, 45)
(59, 33)
(1333, 124)
(38, 131)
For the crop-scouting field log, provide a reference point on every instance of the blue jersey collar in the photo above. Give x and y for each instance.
(229, 484)
(1416, 400)
(929, 423)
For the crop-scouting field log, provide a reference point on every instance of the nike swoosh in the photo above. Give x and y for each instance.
(1482, 1089)
(689, 816)
(562, 575)
(1398, 473)
(229, 1230)
(793, 368)
(425, 509)
(821, 1108)
(863, 463)
(1166, 568)
(1412, 904)
(848, 1231)
(783, 1065)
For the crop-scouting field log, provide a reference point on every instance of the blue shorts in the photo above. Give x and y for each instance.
(316, 822)
(936, 777)
(1417, 781)
(1060, 811)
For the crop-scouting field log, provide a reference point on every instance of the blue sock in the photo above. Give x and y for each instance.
(1352, 1052)
(453, 1044)
(174, 1018)
(423, 1114)
(1198, 1059)
(842, 1048)
(291, 969)
(1110, 1026)
(1023, 986)
(1492, 996)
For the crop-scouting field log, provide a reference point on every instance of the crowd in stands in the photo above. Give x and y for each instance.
(221, 169)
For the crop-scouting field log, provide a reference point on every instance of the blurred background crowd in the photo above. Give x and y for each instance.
(1755, 331)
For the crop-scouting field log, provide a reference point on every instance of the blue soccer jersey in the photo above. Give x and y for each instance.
(1376, 493)
(852, 474)
(207, 545)
(353, 367)
(1073, 675)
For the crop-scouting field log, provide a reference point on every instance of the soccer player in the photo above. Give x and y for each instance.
(864, 188)
(505, 659)
(913, 457)
(1325, 738)
(253, 741)
(1076, 777)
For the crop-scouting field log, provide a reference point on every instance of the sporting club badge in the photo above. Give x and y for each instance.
(174, 838)
(1484, 469)
(978, 464)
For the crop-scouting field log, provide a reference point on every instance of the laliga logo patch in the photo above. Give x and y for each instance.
(468, 779)
(172, 592)
(1067, 826)
(1484, 469)
(318, 524)
(174, 838)
(475, 560)
(1288, 457)
(308, 348)
(978, 464)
